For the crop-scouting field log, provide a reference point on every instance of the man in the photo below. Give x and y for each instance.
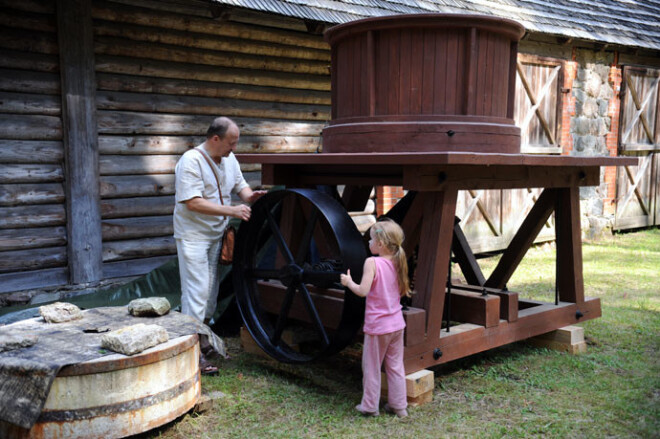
(200, 217)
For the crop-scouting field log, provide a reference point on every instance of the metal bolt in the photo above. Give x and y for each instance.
(450, 133)
(437, 353)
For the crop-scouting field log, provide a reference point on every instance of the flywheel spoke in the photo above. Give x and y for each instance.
(306, 240)
(284, 313)
(264, 273)
(279, 239)
(311, 309)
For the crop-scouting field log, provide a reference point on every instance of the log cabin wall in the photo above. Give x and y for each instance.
(164, 71)
(33, 234)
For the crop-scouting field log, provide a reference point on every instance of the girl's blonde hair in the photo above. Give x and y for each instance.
(390, 235)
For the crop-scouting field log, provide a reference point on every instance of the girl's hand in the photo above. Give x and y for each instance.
(345, 278)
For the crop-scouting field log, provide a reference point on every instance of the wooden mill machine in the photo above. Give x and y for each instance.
(425, 102)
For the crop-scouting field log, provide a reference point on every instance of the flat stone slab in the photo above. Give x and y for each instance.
(10, 342)
(60, 312)
(149, 307)
(134, 339)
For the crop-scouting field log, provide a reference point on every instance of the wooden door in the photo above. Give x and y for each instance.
(637, 186)
(538, 103)
(480, 212)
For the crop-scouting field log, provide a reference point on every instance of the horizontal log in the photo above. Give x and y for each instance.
(32, 259)
(49, 277)
(134, 49)
(28, 41)
(119, 122)
(134, 267)
(22, 103)
(34, 62)
(27, 20)
(159, 103)
(162, 69)
(17, 239)
(167, 20)
(155, 145)
(31, 173)
(125, 145)
(31, 151)
(139, 206)
(214, 43)
(139, 84)
(39, 193)
(138, 248)
(32, 216)
(132, 165)
(39, 6)
(27, 127)
(136, 186)
(142, 227)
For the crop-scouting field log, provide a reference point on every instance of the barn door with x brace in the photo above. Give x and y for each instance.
(637, 186)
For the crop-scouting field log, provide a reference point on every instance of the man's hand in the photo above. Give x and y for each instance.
(255, 196)
(242, 212)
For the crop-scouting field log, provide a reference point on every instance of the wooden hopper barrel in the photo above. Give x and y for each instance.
(423, 83)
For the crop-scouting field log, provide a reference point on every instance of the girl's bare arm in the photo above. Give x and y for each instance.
(368, 274)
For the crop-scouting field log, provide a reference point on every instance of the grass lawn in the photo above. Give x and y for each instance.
(613, 390)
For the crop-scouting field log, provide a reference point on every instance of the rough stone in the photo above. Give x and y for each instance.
(18, 298)
(60, 312)
(603, 107)
(10, 342)
(134, 339)
(149, 307)
(582, 125)
(592, 86)
(590, 107)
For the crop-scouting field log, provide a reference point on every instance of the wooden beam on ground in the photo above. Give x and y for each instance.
(79, 135)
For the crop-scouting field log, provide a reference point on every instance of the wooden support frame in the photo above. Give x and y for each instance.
(76, 48)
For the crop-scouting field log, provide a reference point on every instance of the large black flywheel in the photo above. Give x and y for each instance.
(287, 263)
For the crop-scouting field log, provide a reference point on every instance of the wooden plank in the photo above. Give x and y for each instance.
(27, 20)
(34, 6)
(136, 186)
(140, 227)
(32, 259)
(21, 103)
(569, 246)
(233, 60)
(30, 127)
(183, 87)
(133, 267)
(138, 248)
(32, 216)
(159, 103)
(28, 41)
(38, 193)
(523, 239)
(213, 43)
(17, 239)
(75, 35)
(31, 173)
(508, 300)
(134, 165)
(415, 326)
(134, 15)
(163, 69)
(355, 198)
(36, 62)
(138, 206)
(30, 151)
(122, 122)
(24, 280)
(20, 81)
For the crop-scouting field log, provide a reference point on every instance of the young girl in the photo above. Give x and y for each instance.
(384, 282)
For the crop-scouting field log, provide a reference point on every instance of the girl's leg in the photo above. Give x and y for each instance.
(396, 374)
(372, 357)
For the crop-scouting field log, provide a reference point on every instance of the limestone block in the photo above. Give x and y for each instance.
(134, 339)
(590, 107)
(10, 342)
(149, 306)
(60, 312)
(593, 84)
